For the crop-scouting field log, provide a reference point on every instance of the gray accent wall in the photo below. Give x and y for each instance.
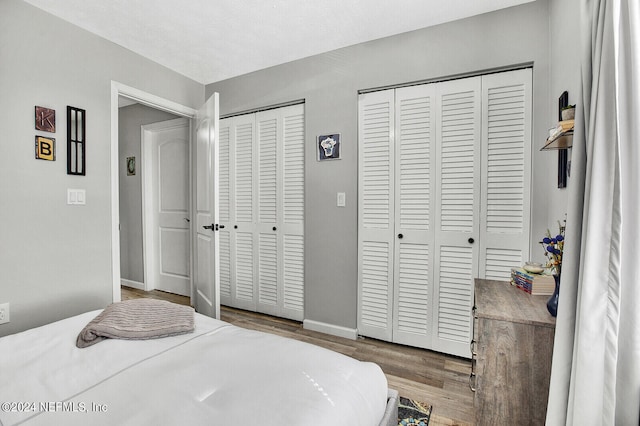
(55, 259)
(131, 118)
(330, 82)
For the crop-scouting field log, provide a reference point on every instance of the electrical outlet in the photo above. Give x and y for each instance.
(4, 313)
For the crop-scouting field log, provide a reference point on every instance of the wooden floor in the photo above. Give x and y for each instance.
(438, 379)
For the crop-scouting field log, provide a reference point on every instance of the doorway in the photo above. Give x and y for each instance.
(123, 163)
(166, 201)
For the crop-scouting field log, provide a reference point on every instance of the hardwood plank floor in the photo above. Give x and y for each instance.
(439, 379)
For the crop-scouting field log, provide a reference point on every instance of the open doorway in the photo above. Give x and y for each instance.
(154, 199)
(131, 110)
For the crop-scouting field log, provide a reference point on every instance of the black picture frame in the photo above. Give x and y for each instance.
(76, 141)
(329, 147)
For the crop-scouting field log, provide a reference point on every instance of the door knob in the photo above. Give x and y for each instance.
(274, 228)
(471, 240)
(400, 236)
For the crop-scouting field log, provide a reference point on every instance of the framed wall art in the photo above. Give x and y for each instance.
(45, 119)
(329, 147)
(131, 166)
(45, 148)
(76, 141)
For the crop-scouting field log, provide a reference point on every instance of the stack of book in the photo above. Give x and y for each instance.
(534, 284)
(563, 126)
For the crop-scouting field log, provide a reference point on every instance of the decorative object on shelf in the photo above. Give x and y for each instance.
(568, 112)
(45, 119)
(552, 303)
(131, 166)
(533, 267)
(45, 148)
(554, 250)
(76, 138)
(329, 147)
(534, 284)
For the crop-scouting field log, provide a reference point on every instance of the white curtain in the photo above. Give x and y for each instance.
(595, 377)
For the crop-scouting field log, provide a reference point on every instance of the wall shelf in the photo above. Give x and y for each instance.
(561, 137)
(562, 140)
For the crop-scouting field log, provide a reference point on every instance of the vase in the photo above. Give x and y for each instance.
(568, 114)
(552, 303)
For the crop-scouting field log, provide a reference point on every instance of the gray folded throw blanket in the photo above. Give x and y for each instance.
(137, 319)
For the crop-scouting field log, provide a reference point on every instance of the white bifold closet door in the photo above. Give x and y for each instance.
(263, 211)
(443, 198)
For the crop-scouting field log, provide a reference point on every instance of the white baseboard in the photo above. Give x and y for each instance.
(334, 330)
(132, 284)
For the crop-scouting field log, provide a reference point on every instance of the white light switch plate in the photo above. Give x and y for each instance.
(341, 199)
(76, 196)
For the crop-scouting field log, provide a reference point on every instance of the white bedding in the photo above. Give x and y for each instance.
(218, 375)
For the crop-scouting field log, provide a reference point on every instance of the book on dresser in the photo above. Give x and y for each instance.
(535, 284)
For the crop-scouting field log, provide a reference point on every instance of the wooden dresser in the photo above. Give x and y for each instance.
(512, 351)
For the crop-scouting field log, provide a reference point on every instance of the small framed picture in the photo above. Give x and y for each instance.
(131, 166)
(329, 147)
(45, 148)
(45, 119)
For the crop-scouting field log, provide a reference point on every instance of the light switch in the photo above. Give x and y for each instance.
(72, 196)
(341, 199)
(76, 196)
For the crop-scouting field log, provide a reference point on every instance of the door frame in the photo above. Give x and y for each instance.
(154, 101)
(149, 244)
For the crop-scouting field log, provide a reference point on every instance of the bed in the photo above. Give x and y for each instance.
(219, 374)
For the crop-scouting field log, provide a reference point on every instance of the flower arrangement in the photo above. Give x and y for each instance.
(554, 248)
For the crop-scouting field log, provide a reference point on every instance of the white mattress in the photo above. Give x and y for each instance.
(219, 375)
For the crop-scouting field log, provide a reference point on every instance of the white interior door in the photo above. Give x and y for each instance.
(280, 216)
(268, 133)
(165, 155)
(457, 212)
(291, 206)
(376, 227)
(415, 145)
(242, 169)
(506, 173)
(206, 288)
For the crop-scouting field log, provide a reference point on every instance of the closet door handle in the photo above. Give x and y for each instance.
(400, 236)
(471, 240)
(274, 228)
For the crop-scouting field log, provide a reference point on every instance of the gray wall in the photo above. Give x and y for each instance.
(564, 53)
(129, 122)
(55, 259)
(329, 83)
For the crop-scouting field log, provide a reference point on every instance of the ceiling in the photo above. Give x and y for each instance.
(209, 41)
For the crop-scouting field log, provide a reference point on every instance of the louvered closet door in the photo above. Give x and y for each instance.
(414, 230)
(267, 134)
(242, 166)
(457, 212)
(225, 211)
(280, 228)
(376, 236)
(291, 223)
(506, 173)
